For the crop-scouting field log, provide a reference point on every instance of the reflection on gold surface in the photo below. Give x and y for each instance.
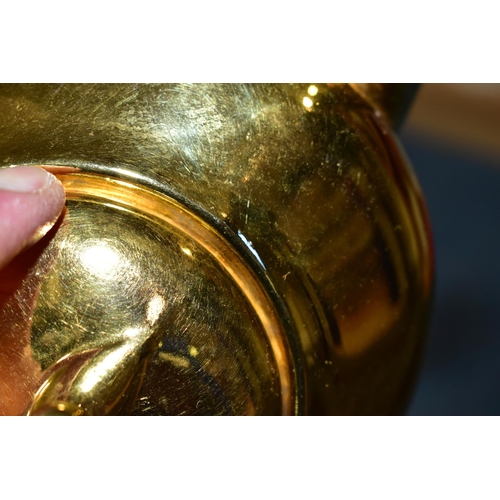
(107, 364)
(312, 91)
(155, 308)
(307, 102)
(101, 260)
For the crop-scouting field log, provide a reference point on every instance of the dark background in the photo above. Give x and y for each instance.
(452, 138)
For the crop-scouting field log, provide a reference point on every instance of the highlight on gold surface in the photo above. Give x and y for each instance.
(155, 308)
(307, 102)
(102, 260)
(107, 364)
(312, 90)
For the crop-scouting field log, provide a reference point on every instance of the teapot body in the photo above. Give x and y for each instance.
(227, 249)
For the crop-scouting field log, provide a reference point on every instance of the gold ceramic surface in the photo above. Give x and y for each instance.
(227, 249)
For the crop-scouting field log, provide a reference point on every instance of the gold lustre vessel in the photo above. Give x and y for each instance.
(225, 250)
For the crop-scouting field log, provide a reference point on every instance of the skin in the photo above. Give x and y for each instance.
(31, 209)
(31, 201)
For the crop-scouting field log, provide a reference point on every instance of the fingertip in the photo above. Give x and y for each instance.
(31, 201)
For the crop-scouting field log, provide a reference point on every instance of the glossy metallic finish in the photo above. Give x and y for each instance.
(227, 249)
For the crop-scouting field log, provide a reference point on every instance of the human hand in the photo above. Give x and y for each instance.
(31, 203)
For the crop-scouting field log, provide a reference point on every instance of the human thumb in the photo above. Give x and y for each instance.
(31, 200)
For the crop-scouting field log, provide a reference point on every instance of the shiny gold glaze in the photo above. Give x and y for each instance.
(228, 249)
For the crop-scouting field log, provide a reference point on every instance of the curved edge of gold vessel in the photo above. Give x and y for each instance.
(227, 249)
